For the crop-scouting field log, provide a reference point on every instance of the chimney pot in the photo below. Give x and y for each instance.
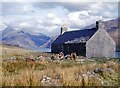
(63, 29)
(100, 25)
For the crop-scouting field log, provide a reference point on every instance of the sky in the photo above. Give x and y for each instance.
(47, 17)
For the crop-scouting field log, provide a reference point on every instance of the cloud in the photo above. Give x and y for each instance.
(2, 26)
(61, 1)
(107, 10)
(48, 17)
(80, 19)
(70, 6)
(24, 25)
(16, 8)
(28, 9)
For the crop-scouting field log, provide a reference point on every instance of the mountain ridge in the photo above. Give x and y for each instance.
(23, 39)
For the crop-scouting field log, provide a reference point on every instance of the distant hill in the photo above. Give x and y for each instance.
(23, 39)
(48, 44)
(112, 29)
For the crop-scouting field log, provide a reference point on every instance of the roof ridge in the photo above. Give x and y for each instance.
(81, 30)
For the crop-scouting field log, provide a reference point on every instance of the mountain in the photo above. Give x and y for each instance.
(112, 29)
(48, 44)
(110, 24)
(23, 39)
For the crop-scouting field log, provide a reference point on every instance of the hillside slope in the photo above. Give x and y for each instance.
(8, 51)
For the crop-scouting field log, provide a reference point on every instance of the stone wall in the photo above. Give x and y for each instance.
(100, 44)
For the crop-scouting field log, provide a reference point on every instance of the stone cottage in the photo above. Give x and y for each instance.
(94, 42)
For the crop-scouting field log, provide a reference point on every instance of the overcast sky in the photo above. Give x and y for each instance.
(48, 17)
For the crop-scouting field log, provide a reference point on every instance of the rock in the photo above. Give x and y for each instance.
(89, 73)
(13, 58)
(98, 70)
(91, 60)
(47, 81)
(93, 73)
(81, 62)
(58, 77)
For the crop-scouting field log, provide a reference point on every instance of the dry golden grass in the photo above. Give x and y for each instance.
(8, 51)
(72, 73)
(22, 74)
(0, 75)
(0, 66)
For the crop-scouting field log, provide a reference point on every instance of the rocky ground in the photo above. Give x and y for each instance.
(25, 68)
(43, 71)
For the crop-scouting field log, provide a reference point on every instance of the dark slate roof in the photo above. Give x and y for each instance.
(73, 35)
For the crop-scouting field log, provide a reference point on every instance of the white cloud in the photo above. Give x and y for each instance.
(49, 17)
(78, 15)
(81, 19)
(24, 25)
(57, 21)
(97, 6)
(2, 25)
(60, 1)
(107, 10)
(28, 9)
